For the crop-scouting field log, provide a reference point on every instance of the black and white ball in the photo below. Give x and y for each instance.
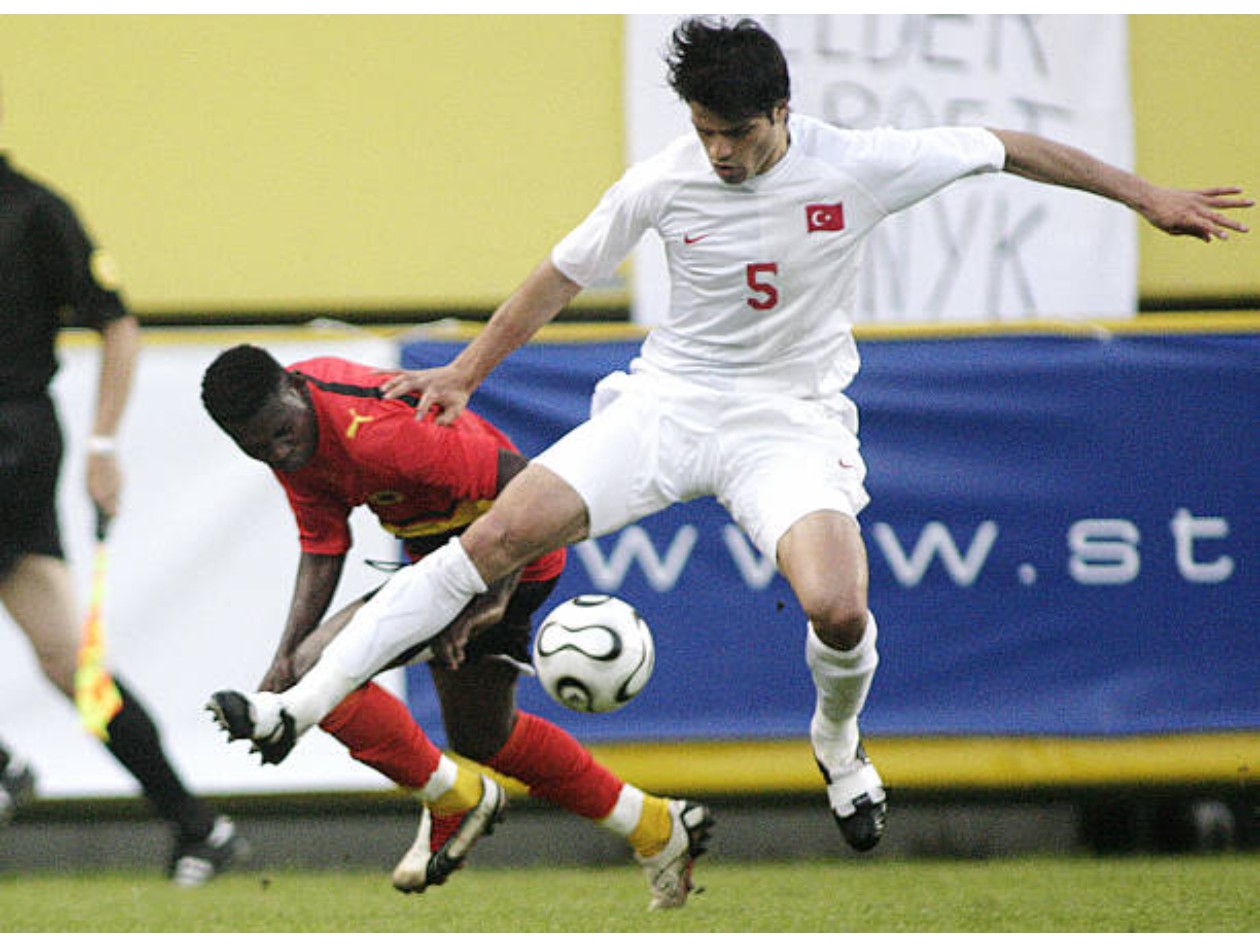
(594, 653)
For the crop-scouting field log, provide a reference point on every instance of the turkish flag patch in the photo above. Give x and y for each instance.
(824, 217)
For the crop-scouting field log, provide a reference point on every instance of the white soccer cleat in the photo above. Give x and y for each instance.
(668, 872)
(422, 868)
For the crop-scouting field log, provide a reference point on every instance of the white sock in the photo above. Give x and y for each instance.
(625, 815)
(441, 780)
(413, 607)
(842, 679)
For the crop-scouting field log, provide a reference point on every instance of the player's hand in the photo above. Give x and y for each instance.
(104, 483)
(444, 387)
(1197, 213)
(279, 677)
(448, 647)
(483, 611)
(478, 615)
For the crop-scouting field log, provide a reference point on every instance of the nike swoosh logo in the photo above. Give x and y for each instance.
(689, 240)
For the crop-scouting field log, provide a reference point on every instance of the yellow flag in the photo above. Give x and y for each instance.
(95, 694)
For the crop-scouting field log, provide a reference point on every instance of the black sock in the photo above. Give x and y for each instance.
(134, 742)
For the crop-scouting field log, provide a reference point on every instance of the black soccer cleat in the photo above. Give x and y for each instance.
(235, 715)
(858, 802)
(194, 863)
(17, 787)
(865, 827)
(232, 713)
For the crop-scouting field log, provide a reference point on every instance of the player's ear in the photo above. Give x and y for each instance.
(293, 385)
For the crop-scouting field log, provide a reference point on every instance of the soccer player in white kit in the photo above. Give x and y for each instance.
(739, 392)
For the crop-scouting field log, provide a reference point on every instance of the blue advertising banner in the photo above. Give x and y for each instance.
(1062, 539)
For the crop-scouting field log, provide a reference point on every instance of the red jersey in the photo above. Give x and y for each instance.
(425, 482)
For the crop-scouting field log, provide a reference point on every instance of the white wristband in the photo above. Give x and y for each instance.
(101, 445)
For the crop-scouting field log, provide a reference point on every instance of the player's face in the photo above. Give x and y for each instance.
(283, 433)
(744, 148)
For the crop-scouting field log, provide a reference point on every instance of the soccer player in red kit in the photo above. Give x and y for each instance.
(335, 443)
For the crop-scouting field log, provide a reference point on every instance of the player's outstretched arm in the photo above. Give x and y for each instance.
(1195, 213)
(545, 292)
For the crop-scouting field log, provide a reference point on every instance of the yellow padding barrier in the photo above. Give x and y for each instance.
(997, 763)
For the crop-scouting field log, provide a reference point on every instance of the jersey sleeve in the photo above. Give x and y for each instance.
(77, 274)
(900, 168)
(596, 247)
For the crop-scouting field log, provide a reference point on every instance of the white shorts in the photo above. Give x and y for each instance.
(653, 441)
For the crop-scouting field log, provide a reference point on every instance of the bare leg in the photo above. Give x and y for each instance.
(824, 559)
(39, 593)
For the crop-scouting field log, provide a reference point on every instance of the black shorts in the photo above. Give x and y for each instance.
(30, 463)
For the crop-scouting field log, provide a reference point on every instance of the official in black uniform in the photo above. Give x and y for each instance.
(51, 275)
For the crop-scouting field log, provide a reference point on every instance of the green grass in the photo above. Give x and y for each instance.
(1042, 894)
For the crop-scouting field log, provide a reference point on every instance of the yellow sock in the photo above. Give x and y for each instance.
(654, 827)
(462, 796)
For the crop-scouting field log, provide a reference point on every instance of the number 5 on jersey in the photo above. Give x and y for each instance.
(758, 276)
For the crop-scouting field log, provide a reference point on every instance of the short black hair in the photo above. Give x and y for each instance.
(238, 383)
(734, 70)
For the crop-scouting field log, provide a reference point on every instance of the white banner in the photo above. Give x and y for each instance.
(201, 565)
(990, 248)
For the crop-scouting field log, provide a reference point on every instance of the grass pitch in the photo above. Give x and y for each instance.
(1188, 894)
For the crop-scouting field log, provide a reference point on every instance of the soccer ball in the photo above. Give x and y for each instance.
(594, 653)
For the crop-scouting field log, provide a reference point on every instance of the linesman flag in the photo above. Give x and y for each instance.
(95, 694)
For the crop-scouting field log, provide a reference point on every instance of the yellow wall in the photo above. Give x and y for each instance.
(255, 163)
(1195, 81)
(284, 162)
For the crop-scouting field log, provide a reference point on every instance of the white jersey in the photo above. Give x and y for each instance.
(763, 274)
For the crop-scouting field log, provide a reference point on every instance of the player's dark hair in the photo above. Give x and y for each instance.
(734, 70)
(238, 383)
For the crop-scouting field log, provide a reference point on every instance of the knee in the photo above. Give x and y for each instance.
(58, 666)
(839, 624)
(497, 545)
(525, 522)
